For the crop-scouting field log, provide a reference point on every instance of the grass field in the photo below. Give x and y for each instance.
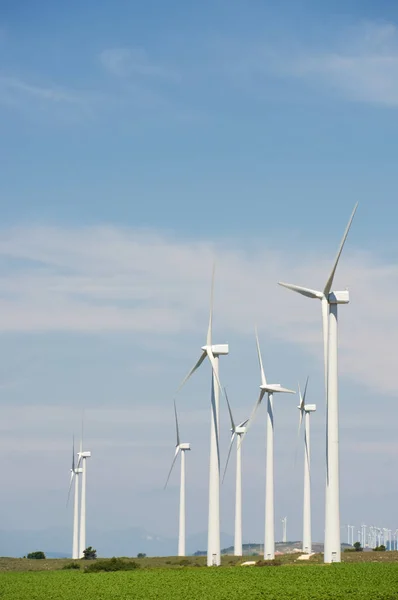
(361, 581)
(175, 562)
(362, 576)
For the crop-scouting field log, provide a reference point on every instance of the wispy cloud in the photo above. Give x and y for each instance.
(364, 67)
(105, 278)
(360, 64)
(135, 62)
(52, 94)
(48, 99)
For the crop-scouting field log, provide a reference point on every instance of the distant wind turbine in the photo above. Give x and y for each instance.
(238, 431)
(82, 457)
(284, 528)
(330, 300)
(212, 352)
(306, 409)
(270, 389)
(74, 473)
(180, 447)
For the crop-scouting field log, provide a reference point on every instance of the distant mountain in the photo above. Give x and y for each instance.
(55, 543)
(125, 542)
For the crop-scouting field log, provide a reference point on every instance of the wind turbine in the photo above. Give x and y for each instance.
(330, 300)
(270, 389)
(74, 473)
(306, 409)
(180, 447)
(212, 352)
(82, 457)
(284, 527)
(238, 431)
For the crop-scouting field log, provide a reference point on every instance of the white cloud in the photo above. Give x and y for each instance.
(110, 279)
(364, 67)
(134, 62)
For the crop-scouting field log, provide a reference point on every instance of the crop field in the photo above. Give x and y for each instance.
(360, 581)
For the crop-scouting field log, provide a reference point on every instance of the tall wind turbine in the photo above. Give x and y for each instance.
(74, 473)
(212, 352)
(330, 300)
(238, 431)
(306, 409)
(270, 389)
(82, 457)
(180, 447)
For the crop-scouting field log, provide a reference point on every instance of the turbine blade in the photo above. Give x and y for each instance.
(70, 486)
(305, 390)
(209, 329)
(251, 418)
(300, 396)
(177, 430)
(260, 361)
(281, 389)
(309, 293)
(229, 454)
(172, 465)
(329, 282)
(201, 359)
(73, 454)
(230, 411)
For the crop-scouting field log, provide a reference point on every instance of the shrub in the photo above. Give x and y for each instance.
(358, 547)
(381, 548)
(71, 565)
(141, 555)
(89, 553)
(184, 562)
(268, 563)
(111, 564)
(38, 555)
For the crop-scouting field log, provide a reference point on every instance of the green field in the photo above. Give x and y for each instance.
(360, 581)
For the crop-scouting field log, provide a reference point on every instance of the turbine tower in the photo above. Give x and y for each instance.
(270, 389)
(284, 527)
(74, 474)
(306, 409)
(180, 447)
(212, 352)
(330, 301)
(238, 431)
(82, 457)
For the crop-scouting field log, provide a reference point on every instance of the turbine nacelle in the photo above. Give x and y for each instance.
(77, 471)
(309, 407)
(184, 446)
(239, 430)
(86, 454)
(339, 297)
(217, 349)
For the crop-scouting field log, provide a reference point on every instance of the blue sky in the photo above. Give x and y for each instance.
(138, 141)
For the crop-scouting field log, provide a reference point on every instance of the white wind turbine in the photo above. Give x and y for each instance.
(306, 409)
(75, 472)
(330, 301)
(180, 447)
(270, 389)
(212, 352)
(82, 457)
(284, 528)
(238, 431)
